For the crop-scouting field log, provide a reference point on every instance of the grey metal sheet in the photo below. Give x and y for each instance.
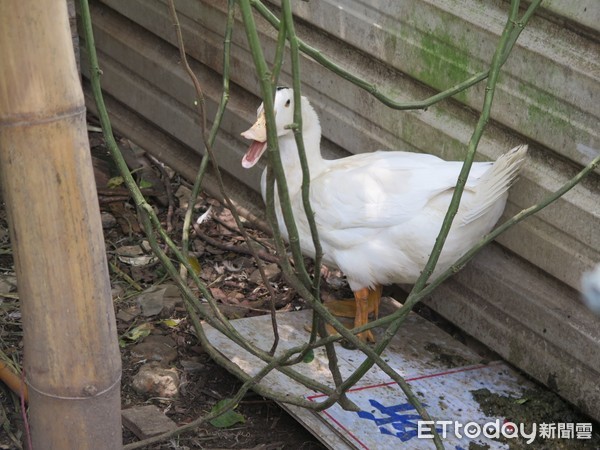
(579, 15)
(356, 122)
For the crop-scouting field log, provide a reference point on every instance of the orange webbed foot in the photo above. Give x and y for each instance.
(366, 301)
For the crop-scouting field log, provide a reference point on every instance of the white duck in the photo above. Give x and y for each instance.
(378, 214)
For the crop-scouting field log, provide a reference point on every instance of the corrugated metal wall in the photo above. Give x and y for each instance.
(518, 296)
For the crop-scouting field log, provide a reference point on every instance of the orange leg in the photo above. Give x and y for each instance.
(375, 300)
(342, 308)
(362, 314)
(347, 308)
(365, 301)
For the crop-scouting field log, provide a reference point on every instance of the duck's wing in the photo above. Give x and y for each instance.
(382, 189)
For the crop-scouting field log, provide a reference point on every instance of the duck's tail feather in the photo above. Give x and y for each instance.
(494, 183)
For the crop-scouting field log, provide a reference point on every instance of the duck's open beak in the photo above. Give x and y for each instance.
(258, 135)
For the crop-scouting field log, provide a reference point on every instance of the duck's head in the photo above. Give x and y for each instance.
(283, 107)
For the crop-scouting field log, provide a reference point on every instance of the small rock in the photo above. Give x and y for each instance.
(116, 291)
(151, 304)
(192, 366)
(4, 234)
(272, 271)
(156, 381)
(154, 299)
(8, 283)
(127, 315)
(170, 304)
(199, 246)
(156, 348)
(170, 172)
(108, 220)
(146, 421)
(183, 194)
(130, 250)
(146, 246)
(233, 312)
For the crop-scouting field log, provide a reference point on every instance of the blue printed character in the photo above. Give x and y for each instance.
(402, 418)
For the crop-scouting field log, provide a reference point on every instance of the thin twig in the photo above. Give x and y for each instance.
(233, 248)
(117, 270)
(279, 51)
(168, 190)
(200, 109)
(262, 242)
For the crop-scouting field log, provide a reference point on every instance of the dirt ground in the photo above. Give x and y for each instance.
(225, 267)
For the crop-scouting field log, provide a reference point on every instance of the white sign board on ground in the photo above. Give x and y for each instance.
(442, 372)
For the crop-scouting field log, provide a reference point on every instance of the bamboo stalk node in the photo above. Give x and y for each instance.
(89, 391)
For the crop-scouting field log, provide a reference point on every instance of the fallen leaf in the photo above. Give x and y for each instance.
(218, 293)
(172, 323)
(231, 266)
(228, 418)
(136, 334)
(126, 218)
(144, 184)
(115, 182)
(195, 264)
(138, 261)
(133, 255)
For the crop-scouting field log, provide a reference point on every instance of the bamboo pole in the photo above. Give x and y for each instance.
(71, 357)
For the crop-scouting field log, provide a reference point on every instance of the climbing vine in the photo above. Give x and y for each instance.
(297, 274)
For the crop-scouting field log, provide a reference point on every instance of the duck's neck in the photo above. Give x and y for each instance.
(312, 147)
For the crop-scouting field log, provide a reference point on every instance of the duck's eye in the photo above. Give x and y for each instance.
(288, 103)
